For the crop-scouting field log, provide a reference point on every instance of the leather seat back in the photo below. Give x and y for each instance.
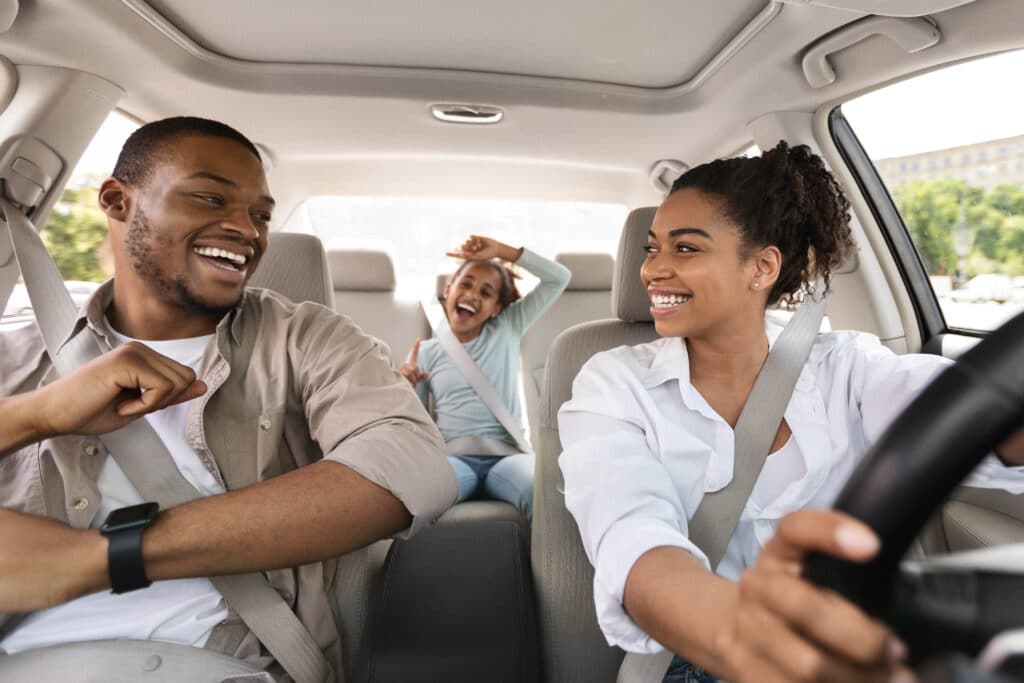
(573, 649)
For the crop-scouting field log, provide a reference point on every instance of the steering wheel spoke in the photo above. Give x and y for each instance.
(958, 602)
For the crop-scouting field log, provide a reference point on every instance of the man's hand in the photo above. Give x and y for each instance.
(478, 248)
(46, 563)
(410, 369)
(787, 629)
(112, 390)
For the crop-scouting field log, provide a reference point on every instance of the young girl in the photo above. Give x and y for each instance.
(649, 431)
(487, 316)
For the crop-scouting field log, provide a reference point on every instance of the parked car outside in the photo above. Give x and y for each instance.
(985, 287)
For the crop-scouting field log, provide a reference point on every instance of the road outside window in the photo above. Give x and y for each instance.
(949, 146)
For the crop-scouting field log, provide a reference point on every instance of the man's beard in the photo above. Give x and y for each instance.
(139, 244)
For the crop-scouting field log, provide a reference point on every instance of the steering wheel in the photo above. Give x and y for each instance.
(954, 603)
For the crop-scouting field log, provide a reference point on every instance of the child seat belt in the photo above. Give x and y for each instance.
(145, 460)
(719, 512)
(473, 375)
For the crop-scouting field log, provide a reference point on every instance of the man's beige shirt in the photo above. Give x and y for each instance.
(288, 385)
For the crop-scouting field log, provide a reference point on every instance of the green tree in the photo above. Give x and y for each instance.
(931, 210)
(1009, 199)
(76, 235)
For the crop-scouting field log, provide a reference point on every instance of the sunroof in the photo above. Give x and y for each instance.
(654, 44)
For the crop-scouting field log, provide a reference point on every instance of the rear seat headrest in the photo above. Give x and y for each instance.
(591, 271)
(629, 297)
(362, 269)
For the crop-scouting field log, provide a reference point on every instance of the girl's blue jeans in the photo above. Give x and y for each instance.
(508, 478)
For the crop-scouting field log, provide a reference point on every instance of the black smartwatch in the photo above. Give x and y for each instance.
(123, 530)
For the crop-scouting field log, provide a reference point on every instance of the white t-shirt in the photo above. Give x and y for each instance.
(642, 447)
(182, 611)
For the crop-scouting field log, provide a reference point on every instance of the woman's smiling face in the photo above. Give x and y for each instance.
(698, 275)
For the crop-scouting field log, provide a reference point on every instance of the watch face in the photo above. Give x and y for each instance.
(126, 518)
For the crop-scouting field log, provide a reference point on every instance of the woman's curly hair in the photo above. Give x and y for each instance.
(786, 198)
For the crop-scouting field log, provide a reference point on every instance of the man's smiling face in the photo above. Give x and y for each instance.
(197, 227)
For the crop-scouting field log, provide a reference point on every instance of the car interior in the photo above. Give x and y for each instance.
(587, 104)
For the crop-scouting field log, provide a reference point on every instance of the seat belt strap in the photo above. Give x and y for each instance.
(472, 373)
(719, 512)
(479, 445)
(8, 270)
(145, 460)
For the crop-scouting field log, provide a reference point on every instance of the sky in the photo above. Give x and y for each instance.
(972, 102)
(101, 154)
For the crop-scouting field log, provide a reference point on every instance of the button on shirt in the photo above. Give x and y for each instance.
(642, 447)
(288, 384)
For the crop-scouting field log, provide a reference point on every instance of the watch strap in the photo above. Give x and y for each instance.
(124, 555)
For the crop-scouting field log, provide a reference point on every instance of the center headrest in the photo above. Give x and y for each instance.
(368, 268)
(591, 271)
(629, 297)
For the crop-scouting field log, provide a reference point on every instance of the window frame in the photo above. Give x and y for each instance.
(930, 319)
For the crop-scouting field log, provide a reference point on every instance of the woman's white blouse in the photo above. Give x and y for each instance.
(642, 446)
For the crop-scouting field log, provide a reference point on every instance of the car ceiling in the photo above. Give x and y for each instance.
(593, 93)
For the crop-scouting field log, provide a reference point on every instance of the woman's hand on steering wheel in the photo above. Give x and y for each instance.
(787, 629)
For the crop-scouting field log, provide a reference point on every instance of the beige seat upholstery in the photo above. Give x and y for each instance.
(364, 290)
(588, 297)
(295, 265)
(572, 646)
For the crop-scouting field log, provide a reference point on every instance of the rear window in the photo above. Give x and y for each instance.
(421, 230)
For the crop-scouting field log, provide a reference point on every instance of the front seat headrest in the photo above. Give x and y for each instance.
(295, 265)
(629, 297)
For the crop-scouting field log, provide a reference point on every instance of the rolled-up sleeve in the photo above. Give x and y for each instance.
(885, 383)
(365, 416)
(621, 496)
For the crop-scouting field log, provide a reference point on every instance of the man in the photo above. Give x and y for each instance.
(306, 445)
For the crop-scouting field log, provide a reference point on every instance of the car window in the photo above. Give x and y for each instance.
(949, 146)
(75, 233)
(421, 230)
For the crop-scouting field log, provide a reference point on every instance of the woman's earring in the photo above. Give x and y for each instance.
(756, 285)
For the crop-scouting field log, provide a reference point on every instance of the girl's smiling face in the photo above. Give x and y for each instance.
(471, 299)
(699, 275)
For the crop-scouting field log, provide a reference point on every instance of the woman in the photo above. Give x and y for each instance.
(487, 316)
(649, 431)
